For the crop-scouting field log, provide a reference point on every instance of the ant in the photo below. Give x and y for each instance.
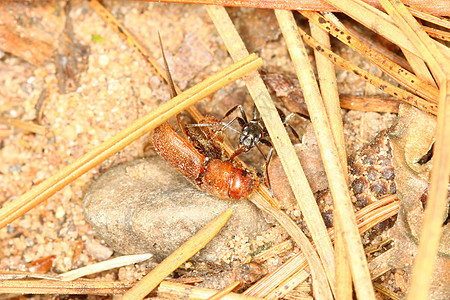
(253, 132)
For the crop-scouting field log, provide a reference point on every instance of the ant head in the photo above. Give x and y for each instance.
(250, 135)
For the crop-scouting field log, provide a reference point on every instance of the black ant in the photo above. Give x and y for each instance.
(252, 133)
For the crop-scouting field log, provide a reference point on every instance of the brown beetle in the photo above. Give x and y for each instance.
(224, 178)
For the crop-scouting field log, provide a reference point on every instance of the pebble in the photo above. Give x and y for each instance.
(146, 206)
(103, 60)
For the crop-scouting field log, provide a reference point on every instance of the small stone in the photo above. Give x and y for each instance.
(103, 60)
(97, 250)
(146, 206)
(60, 213)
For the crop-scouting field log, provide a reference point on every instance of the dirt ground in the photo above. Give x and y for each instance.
(83, 83)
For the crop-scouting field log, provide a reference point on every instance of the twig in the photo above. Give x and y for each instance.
(41, 192)
(178, 257)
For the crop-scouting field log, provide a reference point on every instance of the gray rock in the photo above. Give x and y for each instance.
(146, 206)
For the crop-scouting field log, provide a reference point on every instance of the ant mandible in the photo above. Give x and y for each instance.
(252, 134)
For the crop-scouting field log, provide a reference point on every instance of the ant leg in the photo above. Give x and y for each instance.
(230, 111)
(268, 159)
(285, 123)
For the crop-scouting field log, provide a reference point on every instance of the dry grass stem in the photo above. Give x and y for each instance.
(437, 33)
(402, 76)
(270, 282)
(219, 295)
(358, 33)
(383, 209)
(47, 188)
(4, 133)
(178, 257)
(280, 140)
(329, 154)
(385, 291)
(421, 70)
(366, 76)
(263, 191)
(328, 87)
(78, 287)
(26, 126)
(375, 20)
(430, 18)
(103, 266)
(181, 291)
